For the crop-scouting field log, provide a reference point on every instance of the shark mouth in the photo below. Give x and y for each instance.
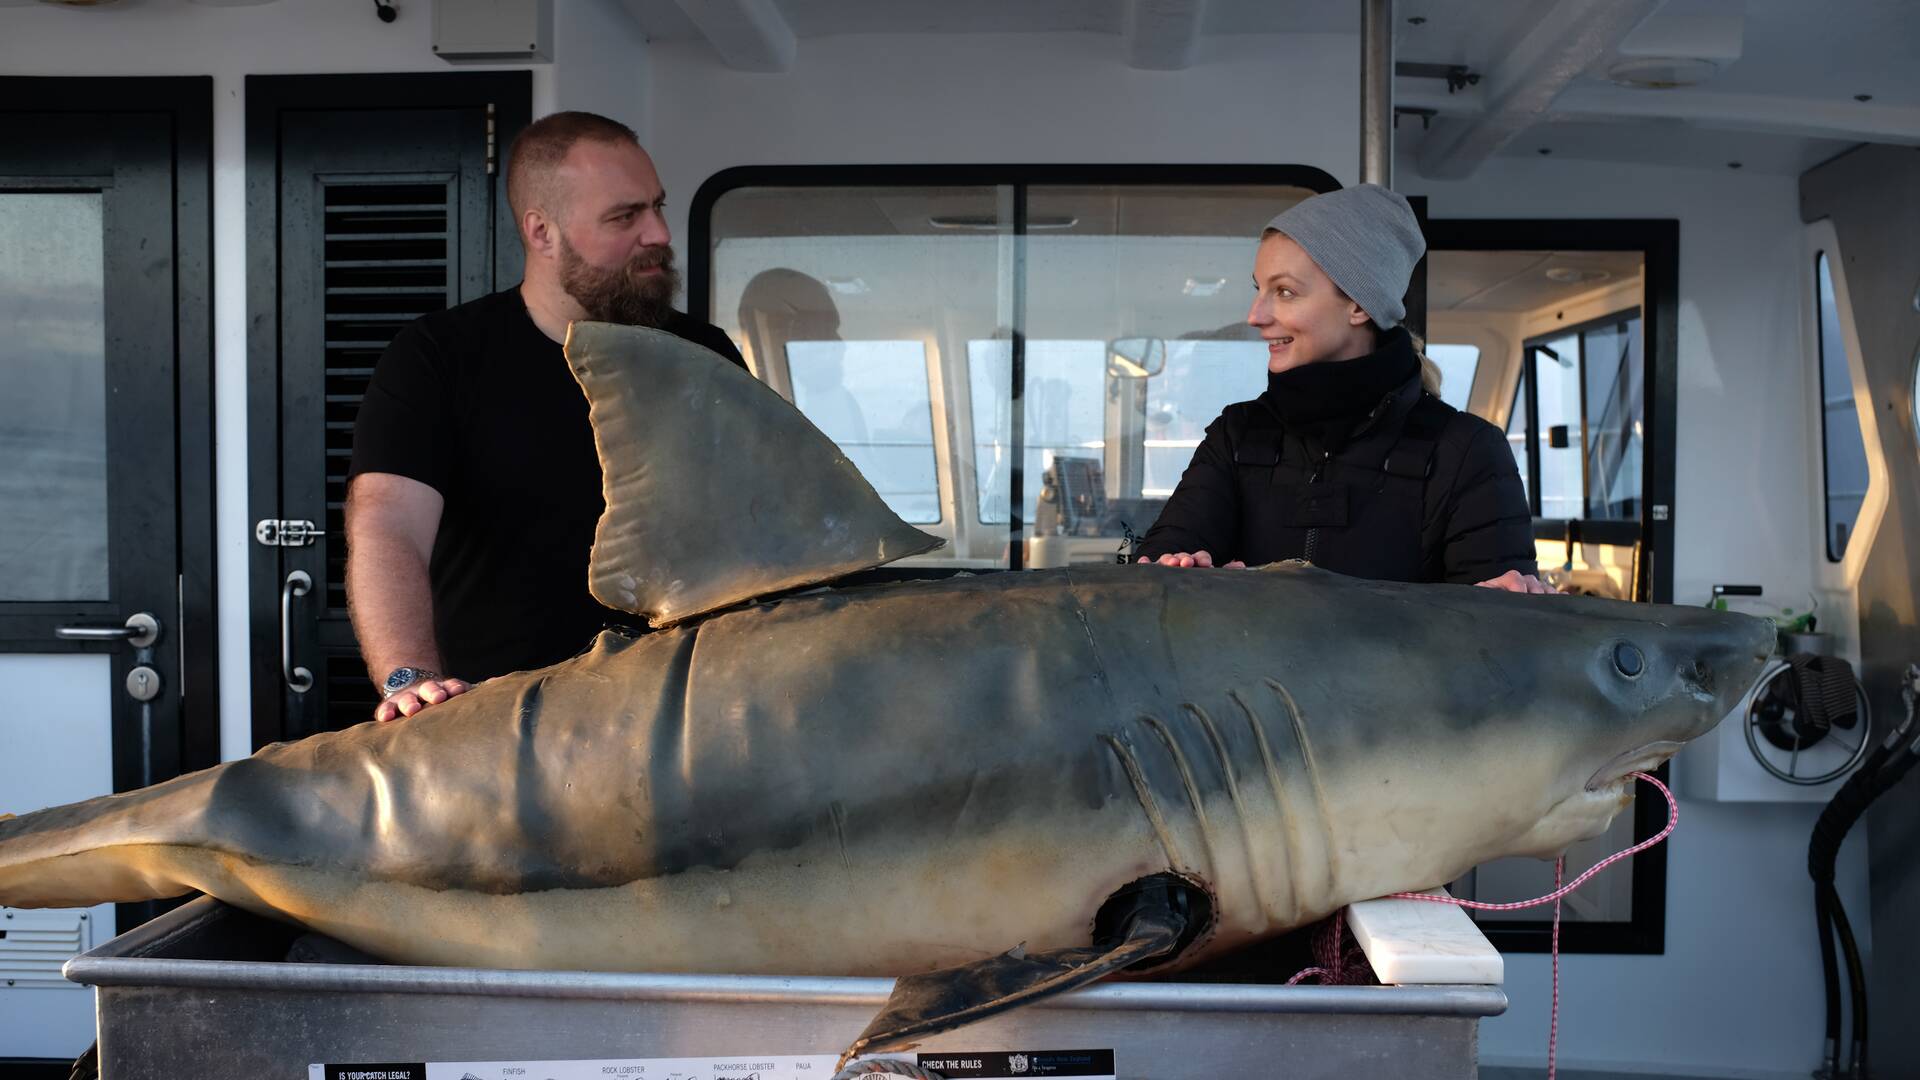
(1645, 759)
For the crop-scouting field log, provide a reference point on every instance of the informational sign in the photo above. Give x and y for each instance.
(997, 1064)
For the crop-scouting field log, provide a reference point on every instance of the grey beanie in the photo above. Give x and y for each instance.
(1367, 240)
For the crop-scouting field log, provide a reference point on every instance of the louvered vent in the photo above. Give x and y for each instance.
(34, 945)
(350, 694)
(386, 265)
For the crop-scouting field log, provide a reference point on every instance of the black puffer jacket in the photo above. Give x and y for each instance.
(1419, 492)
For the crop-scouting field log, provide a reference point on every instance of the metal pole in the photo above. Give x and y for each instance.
(1376, 92)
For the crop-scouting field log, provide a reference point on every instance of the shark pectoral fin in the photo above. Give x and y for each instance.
(717, 489)
(923, 1005)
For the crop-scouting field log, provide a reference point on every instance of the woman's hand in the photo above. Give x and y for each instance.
(1196, 558)
(1515, 581)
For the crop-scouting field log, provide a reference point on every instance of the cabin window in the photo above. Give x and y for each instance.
(1022, 365)
(1844, 451)
(1577, 425)
(873, 399)
(1458, 364)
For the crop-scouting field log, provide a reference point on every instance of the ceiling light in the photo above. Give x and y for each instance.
(1662, 72)
(1204, 286)
(1577, 275)
(849, 286)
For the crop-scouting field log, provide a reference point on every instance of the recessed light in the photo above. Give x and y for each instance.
(1733, 164)
(1662, 72)
(849, 286)
(1577, 275)
(1863, 97)
(1417, 20)
(1209, 286)
(1545, 150)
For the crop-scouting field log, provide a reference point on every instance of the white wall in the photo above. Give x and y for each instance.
(1738, 991)
(169, 37)
(1052, 98)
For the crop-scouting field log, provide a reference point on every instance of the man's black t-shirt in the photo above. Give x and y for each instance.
(478, 404)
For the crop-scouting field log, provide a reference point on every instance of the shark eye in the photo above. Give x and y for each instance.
(1628, 661)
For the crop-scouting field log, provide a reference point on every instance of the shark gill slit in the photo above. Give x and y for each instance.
(1312, 768)
(1144, 796)
(1199, 805)
(1290, 856)
(1256, 871)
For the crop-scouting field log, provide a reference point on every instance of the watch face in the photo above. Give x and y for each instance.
(400, 678)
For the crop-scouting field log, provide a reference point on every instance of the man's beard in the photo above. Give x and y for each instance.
(625, 295)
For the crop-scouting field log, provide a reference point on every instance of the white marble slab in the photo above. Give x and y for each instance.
(1418, 941)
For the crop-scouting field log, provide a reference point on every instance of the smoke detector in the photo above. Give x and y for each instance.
(1662, 72)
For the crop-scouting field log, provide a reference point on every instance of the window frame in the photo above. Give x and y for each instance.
(1658, 240)
(1018, 178)
(1597, 531)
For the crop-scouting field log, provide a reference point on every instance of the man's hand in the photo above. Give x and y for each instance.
(414, 698)
(1196, 558)
(1515, 581)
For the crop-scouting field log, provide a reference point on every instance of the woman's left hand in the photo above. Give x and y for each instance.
(1515, 581)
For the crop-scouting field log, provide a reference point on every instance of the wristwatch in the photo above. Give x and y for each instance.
(403, 677)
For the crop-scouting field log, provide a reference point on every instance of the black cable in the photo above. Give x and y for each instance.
(1830, 970)
(1885, 766)
(1856, 1064)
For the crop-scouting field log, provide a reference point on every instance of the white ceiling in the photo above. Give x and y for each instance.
(1522, 281)
(1781, 101)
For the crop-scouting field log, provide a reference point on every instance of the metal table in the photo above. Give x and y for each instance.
(203, 992)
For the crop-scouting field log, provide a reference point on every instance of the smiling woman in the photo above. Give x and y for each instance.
(1348, 460)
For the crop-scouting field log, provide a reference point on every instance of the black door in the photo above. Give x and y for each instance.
(104, 353)
(380, 214)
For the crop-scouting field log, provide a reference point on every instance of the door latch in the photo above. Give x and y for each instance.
(282, 532)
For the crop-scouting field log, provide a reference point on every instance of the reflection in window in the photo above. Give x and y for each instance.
(1065, 414)
(1556, 375)
(53, 397)
(1201, 378)
(1577, 426)
(1457, 365)
(1845, 473)
(872, 399)
(1608, 897)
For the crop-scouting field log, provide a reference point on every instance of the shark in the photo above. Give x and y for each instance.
(992, 788)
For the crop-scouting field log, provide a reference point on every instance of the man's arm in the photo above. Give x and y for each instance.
(391, 524)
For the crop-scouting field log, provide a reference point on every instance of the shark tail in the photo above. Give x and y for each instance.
(116, 848)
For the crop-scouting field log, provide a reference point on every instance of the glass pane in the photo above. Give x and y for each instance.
(1606, 898)
(1845, 475)
(1557, 367)
(1517, 435)
(53, 415)
(856, 303)
(1165, 269)
(1616, 414)
(872, 398)
(1065, 414)
(1457, 365)
(1202, 377)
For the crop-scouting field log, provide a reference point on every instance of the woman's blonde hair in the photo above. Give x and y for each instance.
(1429, 371)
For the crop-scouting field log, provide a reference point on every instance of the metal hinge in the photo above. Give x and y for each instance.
(493, 142)
(279, 532)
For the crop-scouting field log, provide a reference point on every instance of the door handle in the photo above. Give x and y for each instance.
(299, 679)
(140, 631)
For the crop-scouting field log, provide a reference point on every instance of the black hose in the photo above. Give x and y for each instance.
(1856, 985)
(1829, 969)
(1885, 766)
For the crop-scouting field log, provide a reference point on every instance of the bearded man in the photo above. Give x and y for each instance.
(475, 486)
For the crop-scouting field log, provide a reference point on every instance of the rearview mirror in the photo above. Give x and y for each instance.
(1136, 357)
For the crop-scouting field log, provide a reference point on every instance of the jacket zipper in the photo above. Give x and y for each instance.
(1313, 533)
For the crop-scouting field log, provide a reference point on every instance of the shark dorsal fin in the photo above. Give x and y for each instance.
(717, 489)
